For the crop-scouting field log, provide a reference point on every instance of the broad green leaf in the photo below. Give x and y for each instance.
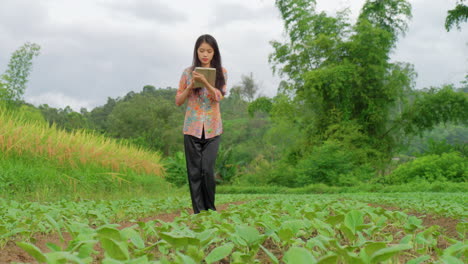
(331, 259)
(55, 225)
(451, 260)
(219, 253)
(418, 260)
(237, 258)
(420, 239)
(33, 251)
(297, 255)
(112, 261)
(462, 229)
(140, 260)
(249, 234)
(238, 240)
(413, 223)
(196, 253)
(115, 249)
(349, 234)
(109, 231)
(134, 236)
(206, 237)
(285, 234)
(459, 247)
(185, 259)
(353, 219)
(294, 225)
(386, 253)
(323, 228)
(370, 249)
(270, 255)
(406, 240)
(335, 219)
(373, 247)
(53, 247)
(179, 239)
(310, 215)
(63, 257)
(86, 248)
(317, 241)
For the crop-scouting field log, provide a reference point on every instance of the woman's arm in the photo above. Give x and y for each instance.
(214, 93)
(181, 97)
(184, 90)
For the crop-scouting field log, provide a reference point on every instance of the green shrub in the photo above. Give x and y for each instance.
(331, 164)
(443, 146)
(226, 166)
(256, 173)
(445, 167)
(261, 172)
(176, 170)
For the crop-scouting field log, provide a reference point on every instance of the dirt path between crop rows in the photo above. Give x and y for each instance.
(12, 253)
(447, 224)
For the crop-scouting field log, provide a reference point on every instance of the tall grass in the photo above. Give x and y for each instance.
(79, 148)
(38, 162)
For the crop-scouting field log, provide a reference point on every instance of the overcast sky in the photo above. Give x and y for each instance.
(94, 49)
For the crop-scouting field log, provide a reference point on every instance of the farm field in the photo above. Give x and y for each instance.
(247, 228)
(343, 127)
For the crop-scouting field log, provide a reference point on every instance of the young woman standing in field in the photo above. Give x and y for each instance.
(203, 125)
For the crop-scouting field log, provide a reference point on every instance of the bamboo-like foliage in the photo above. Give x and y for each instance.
(79, 148)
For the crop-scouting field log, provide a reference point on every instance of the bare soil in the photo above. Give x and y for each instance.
(447, 224)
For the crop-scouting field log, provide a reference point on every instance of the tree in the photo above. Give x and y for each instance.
(99, 116)
(13, 81)
(247, 88)
(435, 106)
(343, 74)
(456, 16)
(262, 104)
(389, 15)
(152, 121)
(343, 70)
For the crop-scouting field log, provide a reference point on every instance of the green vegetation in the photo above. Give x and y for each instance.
(41, 162)
(320, 188)
(286, 228)
(457, 15)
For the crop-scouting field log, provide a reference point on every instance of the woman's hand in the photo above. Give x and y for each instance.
(199, 77)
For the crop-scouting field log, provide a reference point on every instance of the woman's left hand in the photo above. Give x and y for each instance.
(199, 77)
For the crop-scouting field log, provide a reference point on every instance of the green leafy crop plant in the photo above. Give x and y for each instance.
(273, 229)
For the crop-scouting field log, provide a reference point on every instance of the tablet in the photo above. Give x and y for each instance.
(210, 75)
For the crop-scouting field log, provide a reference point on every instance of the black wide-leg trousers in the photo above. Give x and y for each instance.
(200, 155)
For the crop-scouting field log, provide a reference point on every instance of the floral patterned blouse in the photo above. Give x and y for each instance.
(202, 110)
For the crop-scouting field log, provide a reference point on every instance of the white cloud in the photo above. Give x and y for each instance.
(59, 100)
(154, 11)
(439, 57)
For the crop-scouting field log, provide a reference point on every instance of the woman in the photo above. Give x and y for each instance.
(203, 125)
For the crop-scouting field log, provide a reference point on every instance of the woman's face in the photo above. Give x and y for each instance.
(205, 54)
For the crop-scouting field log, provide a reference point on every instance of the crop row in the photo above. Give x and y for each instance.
(281, 229)
(24, 220)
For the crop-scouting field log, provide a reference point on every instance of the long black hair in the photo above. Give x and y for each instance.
(215, 62)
